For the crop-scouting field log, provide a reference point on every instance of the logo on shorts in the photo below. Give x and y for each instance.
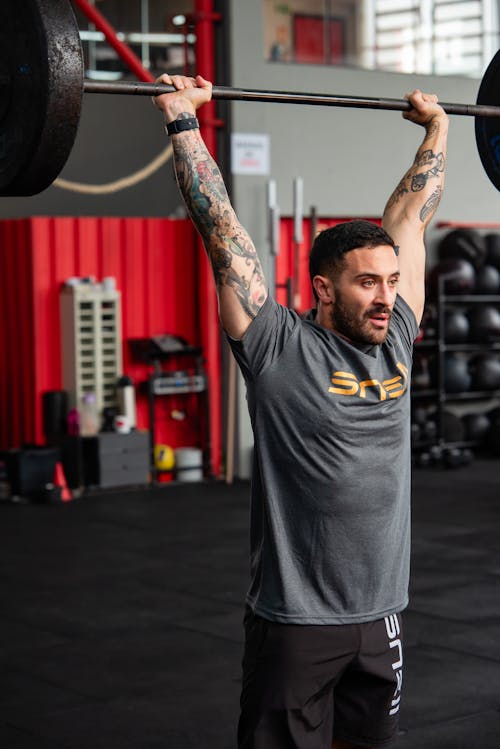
(393, 631)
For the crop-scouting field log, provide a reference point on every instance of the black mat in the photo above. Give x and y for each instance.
(121, 617)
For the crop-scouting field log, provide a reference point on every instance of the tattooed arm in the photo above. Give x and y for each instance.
(416, 198)
(238, 275)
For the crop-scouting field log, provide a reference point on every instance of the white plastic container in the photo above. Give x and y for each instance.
(89, 416)
(188, 464)
(126, 400)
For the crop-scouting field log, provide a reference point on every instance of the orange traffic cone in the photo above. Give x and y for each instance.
(60, 480)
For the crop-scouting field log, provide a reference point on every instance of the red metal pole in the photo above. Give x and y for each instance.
(124, 51)
(210, 333)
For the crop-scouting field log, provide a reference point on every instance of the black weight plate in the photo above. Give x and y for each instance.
(41, 86)
(488, 128)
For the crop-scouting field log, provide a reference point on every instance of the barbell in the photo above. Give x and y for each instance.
(42, 84)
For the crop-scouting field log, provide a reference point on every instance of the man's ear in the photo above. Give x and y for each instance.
(324, 289)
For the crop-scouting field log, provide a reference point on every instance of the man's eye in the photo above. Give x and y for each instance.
(368, 282)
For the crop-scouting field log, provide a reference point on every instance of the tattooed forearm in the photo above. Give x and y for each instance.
(428, 166)
(416, 178)
(432, 129)
(423, 158)
(419, 180)
(201, 185)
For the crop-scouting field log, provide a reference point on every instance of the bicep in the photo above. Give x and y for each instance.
(239, 278)
(409, 237)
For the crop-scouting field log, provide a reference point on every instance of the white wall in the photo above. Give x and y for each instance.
(350, 159)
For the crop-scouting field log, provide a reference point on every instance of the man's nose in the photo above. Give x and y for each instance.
(385, 295)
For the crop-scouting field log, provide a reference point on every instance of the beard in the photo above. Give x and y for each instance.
(357, 327)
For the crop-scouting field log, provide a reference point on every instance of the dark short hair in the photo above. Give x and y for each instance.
(331, 244)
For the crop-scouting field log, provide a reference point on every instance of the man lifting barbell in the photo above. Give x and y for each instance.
(330, 408)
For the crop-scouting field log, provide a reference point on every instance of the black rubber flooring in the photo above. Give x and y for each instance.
(120, 624)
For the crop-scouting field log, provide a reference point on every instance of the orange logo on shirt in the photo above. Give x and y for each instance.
(345, 383)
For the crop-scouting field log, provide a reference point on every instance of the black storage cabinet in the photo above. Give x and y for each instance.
(112, 459)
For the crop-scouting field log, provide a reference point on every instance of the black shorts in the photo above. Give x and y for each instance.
(305, 685)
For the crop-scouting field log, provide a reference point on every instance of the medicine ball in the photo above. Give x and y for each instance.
(460, 277)
(419, 415)
(452, 457)
(484, 323)
(452, 427)
(429, 431)
(464, 243)
(485, 372)
(492, 440)
(456, 326)
(487, 280)
(429, 323)
(420, 376)
(467, 456)
(457, 377)
(476, 426)
(415, 432)
(494, 415)
(164, 457)
(492, 242)
(423, 460)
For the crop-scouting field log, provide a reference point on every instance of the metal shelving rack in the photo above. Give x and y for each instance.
(439, 394)
(191, 380)
(91, 346)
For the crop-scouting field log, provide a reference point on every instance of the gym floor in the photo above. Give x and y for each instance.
(121, 623)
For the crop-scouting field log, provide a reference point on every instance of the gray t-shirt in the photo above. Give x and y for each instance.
(330, 508)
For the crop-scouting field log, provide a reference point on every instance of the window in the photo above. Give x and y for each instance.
(439, 37)
(154, 29)
(318, 40)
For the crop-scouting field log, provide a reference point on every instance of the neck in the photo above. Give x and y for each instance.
(324, 318)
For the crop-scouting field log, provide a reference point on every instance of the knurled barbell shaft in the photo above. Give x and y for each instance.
(286, 97)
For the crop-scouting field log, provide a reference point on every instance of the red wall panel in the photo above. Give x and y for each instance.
(155, 264)
(17, 356)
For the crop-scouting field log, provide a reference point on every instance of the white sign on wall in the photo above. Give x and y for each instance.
(250, 153)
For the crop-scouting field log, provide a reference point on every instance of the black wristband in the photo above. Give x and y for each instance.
(179, 125)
